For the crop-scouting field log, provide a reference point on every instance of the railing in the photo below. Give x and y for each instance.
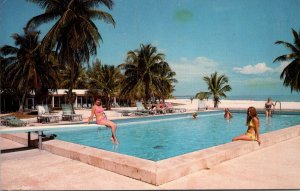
(279, 104)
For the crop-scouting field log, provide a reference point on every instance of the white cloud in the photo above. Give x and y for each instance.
(260, 68)
(191, 70)
(256, 69)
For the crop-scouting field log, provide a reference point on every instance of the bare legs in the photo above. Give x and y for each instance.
(242, 137)
(113, 127)
(268, 113)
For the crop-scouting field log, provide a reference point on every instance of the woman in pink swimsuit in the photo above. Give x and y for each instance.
(101, 119)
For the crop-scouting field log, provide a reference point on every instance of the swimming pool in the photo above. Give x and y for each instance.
(161, 137)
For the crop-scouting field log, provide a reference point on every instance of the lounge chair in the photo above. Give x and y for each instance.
(125, 112)
(202, 105)
(44, 115)
(169, 107)
(68, 113)
(176, 109)
(141, 110)
(12, 121)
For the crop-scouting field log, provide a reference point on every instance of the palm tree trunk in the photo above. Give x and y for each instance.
(215, 104)
(108, 103)
(21, 107)
(70, 98)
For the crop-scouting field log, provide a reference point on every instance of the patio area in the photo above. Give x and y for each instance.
(273, 167)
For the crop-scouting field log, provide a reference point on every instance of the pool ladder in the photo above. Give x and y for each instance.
(275, 105)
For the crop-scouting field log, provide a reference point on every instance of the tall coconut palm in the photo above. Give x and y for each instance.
(142, 70)
(217, 86)
(110, 82)
(27, 67)
(74, 35)
(80, 81)
(93, 76)
(165, 81)
(106, 79)
(291, 73)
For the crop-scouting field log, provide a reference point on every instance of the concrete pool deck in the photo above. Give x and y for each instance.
(273, 167)
(270, 167)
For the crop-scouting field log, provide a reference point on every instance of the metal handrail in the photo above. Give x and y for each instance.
(279, 105)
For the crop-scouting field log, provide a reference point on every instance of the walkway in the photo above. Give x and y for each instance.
(275, 167)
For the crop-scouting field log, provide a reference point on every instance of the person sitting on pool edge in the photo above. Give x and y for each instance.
(227, 114)
(252, 122)
(101, 119)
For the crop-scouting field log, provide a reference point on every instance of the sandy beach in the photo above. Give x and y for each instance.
(193, 106)
(115, 113)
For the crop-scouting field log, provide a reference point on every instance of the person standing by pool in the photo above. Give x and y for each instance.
(252, 133)
(101, 119)
(227, 114)
(268, 107)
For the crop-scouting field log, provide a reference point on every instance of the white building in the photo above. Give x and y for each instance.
(59, 97)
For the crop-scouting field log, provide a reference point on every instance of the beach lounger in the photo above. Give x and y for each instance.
(176, 109)
(202, 105)
(68, 113)
(141, 110)
(125, 112)
(12, 121)
(169, 107)
(44, 115)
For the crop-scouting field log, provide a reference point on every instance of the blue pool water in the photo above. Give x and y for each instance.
(161, 137)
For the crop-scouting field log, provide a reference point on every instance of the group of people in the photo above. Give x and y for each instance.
(156, 108)
(252, 120)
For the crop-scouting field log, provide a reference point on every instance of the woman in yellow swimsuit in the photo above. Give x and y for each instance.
(101, 119)
(252, 133)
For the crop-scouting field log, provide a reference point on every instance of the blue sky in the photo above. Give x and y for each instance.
(198, 37)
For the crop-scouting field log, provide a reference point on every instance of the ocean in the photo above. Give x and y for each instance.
(295, 97)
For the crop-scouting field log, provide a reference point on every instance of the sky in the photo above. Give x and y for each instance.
(198, 37)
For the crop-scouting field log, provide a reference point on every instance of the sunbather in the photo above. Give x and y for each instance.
(101, 119)
(252, 133)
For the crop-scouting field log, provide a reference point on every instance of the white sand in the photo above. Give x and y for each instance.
(189, 106)
(235, 104)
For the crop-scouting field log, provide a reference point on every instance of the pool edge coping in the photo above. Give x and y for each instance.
(166, 170)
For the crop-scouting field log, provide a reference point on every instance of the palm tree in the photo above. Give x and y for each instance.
(165, 81)
(217, 86)
(93, 76)
(110, 82)
(74, 35)
(26, 67)
(145, 75)
(202, 95)
(106, 79)
(291, 73)
(80, 81)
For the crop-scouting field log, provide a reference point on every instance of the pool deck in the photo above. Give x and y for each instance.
(273, 167)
